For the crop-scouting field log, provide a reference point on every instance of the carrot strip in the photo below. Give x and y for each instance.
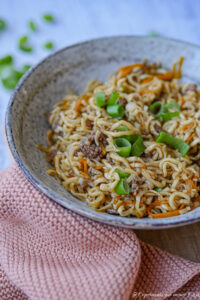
(126, 70)
(102, 148)
(99, 175)
(98, 168)
(166, 215)
(182, 206)
(119, 204)
(78, 105)
(190, 138)
(149, 79)
(146, 92)
(153, 204)
(85, 166)
(178, 73)
(85, 174)
(40, 147)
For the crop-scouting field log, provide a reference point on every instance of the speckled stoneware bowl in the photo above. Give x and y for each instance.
(72, 67)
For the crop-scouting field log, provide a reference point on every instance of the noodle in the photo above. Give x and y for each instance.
(84, 157)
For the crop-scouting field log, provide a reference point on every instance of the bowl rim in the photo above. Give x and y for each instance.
(128, 222)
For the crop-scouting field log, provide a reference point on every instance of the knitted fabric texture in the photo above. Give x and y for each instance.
(48, 252)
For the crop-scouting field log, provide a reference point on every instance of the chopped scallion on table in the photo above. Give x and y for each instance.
(32, 26)
(23, 44)
(48, 45)
(2, 24)
(48, 18)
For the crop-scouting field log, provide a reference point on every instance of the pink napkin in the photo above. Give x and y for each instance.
(48, 252)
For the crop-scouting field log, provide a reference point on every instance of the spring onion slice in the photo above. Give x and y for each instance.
(2, 24)
(138, 145)
(23, 44)
(100, 99)
(163, 111)
(157, 189)
(121, 174)
(116, 111)
(123, 146)
(122, 188)
(32, 26)
(175, 143)
(130, 138)
(113, 98)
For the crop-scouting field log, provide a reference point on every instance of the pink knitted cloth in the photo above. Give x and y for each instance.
(48, 252)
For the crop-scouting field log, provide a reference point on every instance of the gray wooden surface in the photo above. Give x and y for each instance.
(79, 20)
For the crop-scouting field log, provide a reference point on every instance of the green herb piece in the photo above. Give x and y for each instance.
(175, 143)
(48, 45)
(32, 26)
(165, 111)
(23, 44)
(122, 188)
(116, 111)
(2, 24)
(121, 174)
(48, 18)
(100, 99)
(154, 33)
(157, 189)
(6, 60)
(128, 137)
(113, 98)
(138, 145)
(12, 76)
(123, 146)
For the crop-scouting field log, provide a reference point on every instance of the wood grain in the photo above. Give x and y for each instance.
(182, 241)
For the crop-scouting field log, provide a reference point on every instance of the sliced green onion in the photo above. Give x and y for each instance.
(121, 174)
(113, 98)
(175, 143)
(23, 44)
(116, 111)
(6, 60)
(123, 146)
(32, 26)
(48, 18)
(154, 33)
(128, 137)
(48, 45)
(162, 111)
(12, 76)
(122, 188)
(138, 145)
(157, 189)
(100, 99)
(2, 24)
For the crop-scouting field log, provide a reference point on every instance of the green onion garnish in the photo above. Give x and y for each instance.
(2, 24)
(123, 146)
(6, 60)
(122, 188)
(12, 76)
(23, 44)
(157, 189)
(32, 26)
(48, 45)
(128, 137)
(48, 18)
(100, 99)
(154, 33)
(175, 143)
(162, 111)
(116, 111)
(138, 145)
(113, 98)
(121, 174)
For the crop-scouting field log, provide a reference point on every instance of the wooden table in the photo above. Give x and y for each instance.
(183, 241)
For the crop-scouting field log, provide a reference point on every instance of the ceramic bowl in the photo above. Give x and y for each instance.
(72, 67)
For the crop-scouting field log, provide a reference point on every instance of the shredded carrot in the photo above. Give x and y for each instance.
(185, 127)
(166, 215)
(98, 168)
(191, 184)
(99, 175)
(182, 206)
(126, 70)
(153, 204)
(119, 204)
(102, 148)
(40, 147)
(85, 174)
(168, 75)
(146, 92)
(178, 73)
(149, 79)
(183, 100)
(85, 166)
(190, 138)
(78, 105)
(85, 96)
(116, 199)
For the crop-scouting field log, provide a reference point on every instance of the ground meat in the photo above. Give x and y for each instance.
(190, 87)
(89, 124)
(90, 149)
(122, 102)
(198, 162)
(158, 128)
(110, 161)
(135, 185)
(103, 139)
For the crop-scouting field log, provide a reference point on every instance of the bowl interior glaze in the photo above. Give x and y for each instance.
(72, 67)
